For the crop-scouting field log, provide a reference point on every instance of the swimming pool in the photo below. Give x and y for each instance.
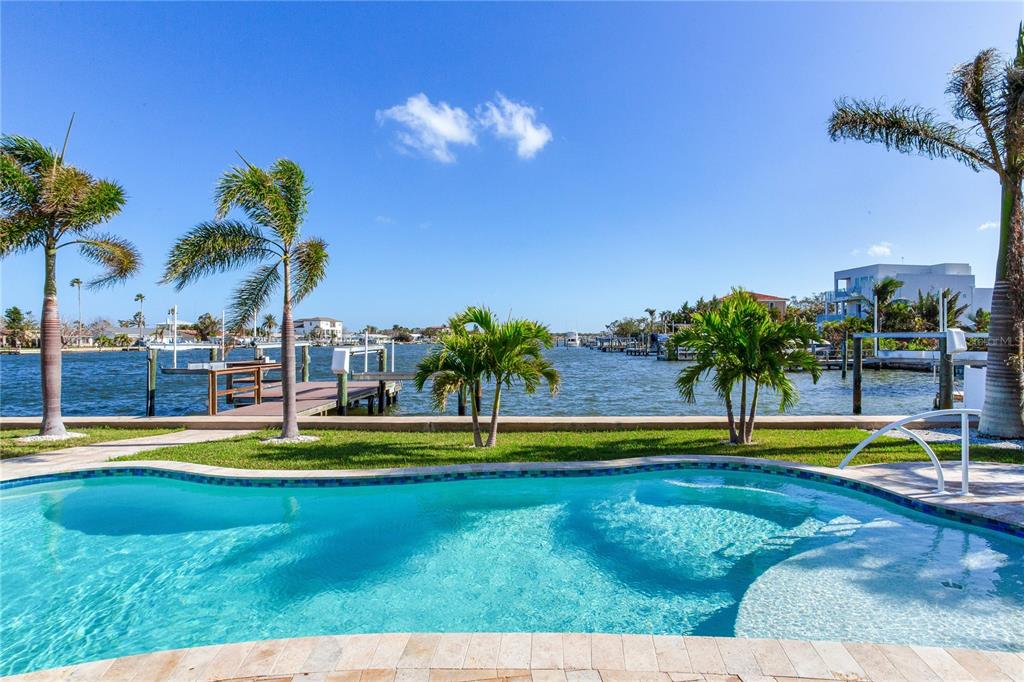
(110, 566)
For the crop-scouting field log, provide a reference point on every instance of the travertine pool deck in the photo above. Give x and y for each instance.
(540, 657)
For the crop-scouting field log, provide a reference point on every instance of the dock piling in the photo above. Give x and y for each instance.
(858, 371)
(305, 363)
(945, 377)
(151, 365)
(343, 393)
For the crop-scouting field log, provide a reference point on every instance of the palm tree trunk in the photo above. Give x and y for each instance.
(733, 437)
(474, 410)
(290, 423)
(743, 411)
(492, 438)
(79, 344)
(1003, 413)
(749, 429)
(49, 353)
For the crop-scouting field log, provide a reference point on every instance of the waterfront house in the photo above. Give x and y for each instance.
(851, 289)
(773, 303)
(319, 327)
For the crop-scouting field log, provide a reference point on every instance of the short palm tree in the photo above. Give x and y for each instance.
(457, 365)
(274, 202)
(513, 355)
(77, 283)
(882, 294)
(47, 204)
(740, 342)
(988, 95)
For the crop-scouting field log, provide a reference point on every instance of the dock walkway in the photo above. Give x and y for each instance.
(311, 398)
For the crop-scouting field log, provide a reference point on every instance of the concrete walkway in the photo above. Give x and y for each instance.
(88, 456)
(547, 657)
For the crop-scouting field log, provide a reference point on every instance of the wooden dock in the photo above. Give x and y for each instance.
(314, 398)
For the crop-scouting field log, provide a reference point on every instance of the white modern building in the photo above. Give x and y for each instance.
(851, 289)
(328, 326)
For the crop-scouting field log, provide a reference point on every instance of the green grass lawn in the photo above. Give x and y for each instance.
(370, 449)
(8, 448)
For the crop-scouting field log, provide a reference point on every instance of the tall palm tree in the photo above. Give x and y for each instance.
(48, 204)
(988, 95)
(742, 342)
(141, 319)
(268, 326)
(456, 365)
(274, 202)
(513, 354)
(77, 283)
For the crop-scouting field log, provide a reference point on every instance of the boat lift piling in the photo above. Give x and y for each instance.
(950, 342)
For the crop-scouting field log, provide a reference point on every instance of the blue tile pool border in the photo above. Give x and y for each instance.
(526, 472)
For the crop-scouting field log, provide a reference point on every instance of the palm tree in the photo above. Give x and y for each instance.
(268, 326)
(77, 283)
(980, 320)
(989, 96)
(455, 366)
(141, 319)
(513, 354)
(742, 342)
(882, 294)
(48, 204)
(274, 202)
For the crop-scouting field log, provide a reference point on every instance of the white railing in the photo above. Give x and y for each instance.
(965, 443)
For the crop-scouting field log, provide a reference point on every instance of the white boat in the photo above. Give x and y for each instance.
(572, 340)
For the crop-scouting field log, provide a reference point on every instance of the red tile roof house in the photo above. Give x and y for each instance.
(776, 303)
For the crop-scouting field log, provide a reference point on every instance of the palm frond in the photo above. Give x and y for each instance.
(18, 190)
(291, 184)
(118, 257)
(28, 153)
(20, 232)
(213, 247)
(253, 293)
(309, 265)
(905, 128)
(98, 203)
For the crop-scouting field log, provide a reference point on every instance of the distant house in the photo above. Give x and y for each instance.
(770, 302)
(851, 293)
(327, 326)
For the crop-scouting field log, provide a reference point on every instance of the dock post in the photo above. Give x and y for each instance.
(213, 354)
(381, 392)
(305, 363)
(151, 382)
(846, 341)
(945, 377)
(382, 359)
(462, 401)
(343, 393)
(858, 371)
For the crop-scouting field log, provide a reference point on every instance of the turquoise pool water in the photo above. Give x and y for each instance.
(113, 566)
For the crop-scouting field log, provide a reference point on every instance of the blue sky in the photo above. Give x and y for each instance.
(569, 162)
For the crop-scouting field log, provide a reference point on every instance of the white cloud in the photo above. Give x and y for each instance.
(515, 121)
(880, 249)
(384, 220)
(430, 129)
(990, 225)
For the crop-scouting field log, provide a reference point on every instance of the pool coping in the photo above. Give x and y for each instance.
(948, 507)
(544, 657)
